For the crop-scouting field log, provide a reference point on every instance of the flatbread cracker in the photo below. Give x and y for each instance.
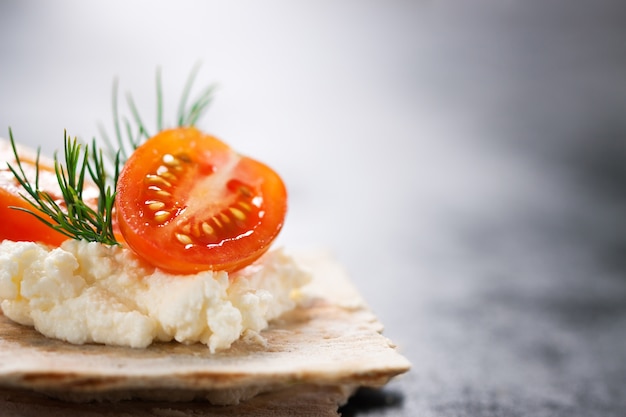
(300, 400)
(332, 343)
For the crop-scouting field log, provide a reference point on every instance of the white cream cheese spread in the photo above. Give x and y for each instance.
(92, 293)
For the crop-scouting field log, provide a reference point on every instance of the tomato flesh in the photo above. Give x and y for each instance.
(187, 202)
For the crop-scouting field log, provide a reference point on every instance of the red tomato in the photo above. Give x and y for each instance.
(186, 202)
(18, 225)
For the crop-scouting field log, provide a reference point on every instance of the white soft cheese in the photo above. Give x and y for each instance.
(91, 293)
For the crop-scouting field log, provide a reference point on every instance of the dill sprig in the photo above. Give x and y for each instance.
(72, 216)
(131, 131)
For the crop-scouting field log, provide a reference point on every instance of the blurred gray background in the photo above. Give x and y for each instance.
(464, 160)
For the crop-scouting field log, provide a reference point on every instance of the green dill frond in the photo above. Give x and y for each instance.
(72, 216)
(188, 116)
(131, 131)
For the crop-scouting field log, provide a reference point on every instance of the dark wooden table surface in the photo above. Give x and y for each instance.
(466, 162)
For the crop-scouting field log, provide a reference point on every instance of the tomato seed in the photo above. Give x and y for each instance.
(239, 215)
(207, 229)
(170, 160)
(157, 180)
(184, 239)
(155, 205)
(244, 205)
(161, 216)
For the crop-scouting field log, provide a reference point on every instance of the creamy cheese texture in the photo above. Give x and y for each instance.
(92, 293)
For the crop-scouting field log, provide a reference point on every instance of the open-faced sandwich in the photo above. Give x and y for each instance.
(145, 270)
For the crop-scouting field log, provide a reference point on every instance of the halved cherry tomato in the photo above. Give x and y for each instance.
(187, 202)
(15, 224)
